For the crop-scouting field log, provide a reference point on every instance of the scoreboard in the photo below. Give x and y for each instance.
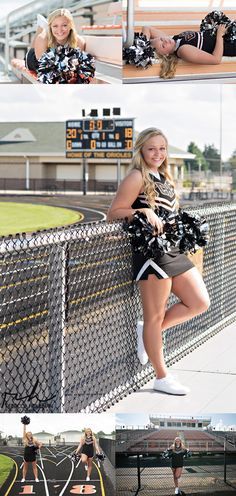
(99, 138)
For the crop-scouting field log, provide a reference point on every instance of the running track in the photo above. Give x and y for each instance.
(58, 475)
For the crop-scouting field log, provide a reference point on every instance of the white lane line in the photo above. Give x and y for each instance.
(68, 480)
(80, 460)
(40, 456)
(45, 481)
(94, 210)
(50, 451)
(65, 458)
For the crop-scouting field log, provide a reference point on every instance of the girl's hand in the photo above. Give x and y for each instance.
(222, 29)
(153, 219)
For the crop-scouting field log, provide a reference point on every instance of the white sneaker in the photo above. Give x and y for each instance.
(141, 352)
(176, 490)
(170, 385)
(36, 480)
(87, 478)
(42, 22)
(22, 480)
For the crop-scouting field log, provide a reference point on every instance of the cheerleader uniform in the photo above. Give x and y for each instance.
(88, 447)
(204, 41)
(31, 61)
(172, 263)
(30, 452)
(177, 456)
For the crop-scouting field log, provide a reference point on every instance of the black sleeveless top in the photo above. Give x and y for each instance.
(204, 41)
(165, 198)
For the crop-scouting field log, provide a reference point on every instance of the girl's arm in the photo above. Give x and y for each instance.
(127, 193)
(152, 32)
(24, 432)
(80, 445)
(97, 449)
(197, 56)
(38, 444)
(41, 44)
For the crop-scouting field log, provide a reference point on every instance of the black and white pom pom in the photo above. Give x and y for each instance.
(141, 53)
(193, 232)
(146, 240)
(65, 65)
(182, 230)
(212, 20)
(25, 420)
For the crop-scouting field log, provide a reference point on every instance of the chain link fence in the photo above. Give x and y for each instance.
(69, 309)
(148, 474)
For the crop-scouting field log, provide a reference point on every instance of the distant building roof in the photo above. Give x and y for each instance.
(47, 138)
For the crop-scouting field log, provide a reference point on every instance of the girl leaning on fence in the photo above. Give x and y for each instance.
(31, 445)
(88, 444)
(177, 452)
(149, 189)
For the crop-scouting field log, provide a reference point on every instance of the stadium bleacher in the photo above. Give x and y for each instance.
(178, 17)
(99, 21)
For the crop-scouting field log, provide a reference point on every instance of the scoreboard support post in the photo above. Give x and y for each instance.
(85, 176)
(118, 172)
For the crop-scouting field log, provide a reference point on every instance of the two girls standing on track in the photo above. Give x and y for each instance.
(31, 446)
(87, 445)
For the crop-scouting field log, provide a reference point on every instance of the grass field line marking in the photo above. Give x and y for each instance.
(44, 479)
(69, 478)
(14, 478)
(101, 479)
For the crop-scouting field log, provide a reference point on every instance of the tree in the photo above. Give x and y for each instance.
(212, 156)
(232, 160)
(199, 161)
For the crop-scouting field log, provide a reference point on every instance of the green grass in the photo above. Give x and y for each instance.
(6, 465)
(25, 217)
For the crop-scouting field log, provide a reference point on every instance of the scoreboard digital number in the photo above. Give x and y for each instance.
(99, 138)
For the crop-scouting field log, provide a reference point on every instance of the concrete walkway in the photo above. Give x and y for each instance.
(210, 372)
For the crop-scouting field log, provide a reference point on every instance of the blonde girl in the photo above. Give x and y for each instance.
(147, 188)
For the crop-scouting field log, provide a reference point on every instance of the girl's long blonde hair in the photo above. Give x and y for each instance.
(168, 65)
(139, 164)
(26, 438)
(181, 443)
(72, 39)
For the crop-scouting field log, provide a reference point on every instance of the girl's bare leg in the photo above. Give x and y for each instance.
(25, 469)
(189, 287)
(90, 464)
(154, 294)
(35, 470)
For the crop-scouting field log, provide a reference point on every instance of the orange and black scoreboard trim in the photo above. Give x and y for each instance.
(99, 138)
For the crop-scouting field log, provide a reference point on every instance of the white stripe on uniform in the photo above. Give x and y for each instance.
(155, 266)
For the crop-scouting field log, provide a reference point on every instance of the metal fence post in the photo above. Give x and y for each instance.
(225, 465)
(56, 331)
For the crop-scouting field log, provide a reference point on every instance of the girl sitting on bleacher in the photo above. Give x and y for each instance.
(60, 31)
